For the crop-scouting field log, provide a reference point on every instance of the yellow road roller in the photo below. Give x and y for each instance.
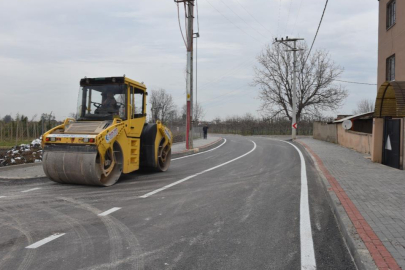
(109, 136)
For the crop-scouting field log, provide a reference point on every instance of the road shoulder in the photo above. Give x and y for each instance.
(366, 248)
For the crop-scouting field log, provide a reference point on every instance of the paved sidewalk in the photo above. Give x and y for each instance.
(376, 190)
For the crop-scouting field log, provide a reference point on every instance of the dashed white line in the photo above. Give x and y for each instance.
(32, 189)
(201, 152)
(3, 197)
(194, 175)
(307, 245)
(45, 240)
(109, 211)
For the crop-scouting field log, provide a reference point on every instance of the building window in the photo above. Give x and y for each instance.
(391, 68)
(391, 10)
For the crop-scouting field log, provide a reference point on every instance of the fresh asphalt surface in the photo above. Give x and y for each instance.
(242, 215)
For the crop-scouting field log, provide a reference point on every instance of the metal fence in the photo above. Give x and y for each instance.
(261, 128)
(179, 132)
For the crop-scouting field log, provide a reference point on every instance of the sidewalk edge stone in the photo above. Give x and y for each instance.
(199, 149)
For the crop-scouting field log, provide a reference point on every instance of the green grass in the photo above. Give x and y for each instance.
(8, 144)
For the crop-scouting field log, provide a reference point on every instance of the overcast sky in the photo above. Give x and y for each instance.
(47, 46)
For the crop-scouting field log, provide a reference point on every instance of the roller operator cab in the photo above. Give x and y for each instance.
(108, 137)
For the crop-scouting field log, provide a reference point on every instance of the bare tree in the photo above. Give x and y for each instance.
(315, 91)
(364, 106)
(162, 105)
(198, 112)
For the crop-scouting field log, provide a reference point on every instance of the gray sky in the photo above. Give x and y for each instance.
(46, 47)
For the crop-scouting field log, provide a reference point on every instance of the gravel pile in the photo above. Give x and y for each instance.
(21, 154)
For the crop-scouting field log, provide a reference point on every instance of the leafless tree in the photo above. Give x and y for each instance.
(198, 112)
(364, 106)
(316, 91)
(162, 105)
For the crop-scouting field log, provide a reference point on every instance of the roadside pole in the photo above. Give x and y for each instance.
(189, 9)
(294, 116)
(190, 37)
(294, 90)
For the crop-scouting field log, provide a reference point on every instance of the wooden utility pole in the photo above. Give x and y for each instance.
(294, 49)
(189, 4)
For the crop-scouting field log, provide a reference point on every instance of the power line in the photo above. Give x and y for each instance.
(253, 17)
(288, 17)
(316, 34)
(231, 21)
(278, 20)
(356, 82)
(181, 31)
(298, 14)
(242, 19)
(198, 20)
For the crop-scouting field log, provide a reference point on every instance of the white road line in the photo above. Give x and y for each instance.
(45, 240)
(307, 245)
(28, 190)
(201, 152)
(3, 197)
(109, 211)
(194, 175)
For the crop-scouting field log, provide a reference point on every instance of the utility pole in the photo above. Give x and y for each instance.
(189, 5)
(294, 98)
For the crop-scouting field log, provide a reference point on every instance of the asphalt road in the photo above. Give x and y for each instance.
(236, 207)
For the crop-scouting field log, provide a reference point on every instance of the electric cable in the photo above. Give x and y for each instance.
(316, 34)
(298, 14)
(253, 17)
(278, 20)
(356, 82)
(231, 21)
(288, 17)
(242, 19)
(181, 31)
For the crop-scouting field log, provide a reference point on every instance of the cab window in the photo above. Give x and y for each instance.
(137, 102)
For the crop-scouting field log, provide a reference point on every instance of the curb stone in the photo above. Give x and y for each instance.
(196, 150)
(357, 248)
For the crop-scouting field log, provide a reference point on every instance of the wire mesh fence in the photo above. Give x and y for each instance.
(280, 127)
(179, 132)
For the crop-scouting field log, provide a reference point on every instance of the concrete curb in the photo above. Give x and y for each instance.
(174, 155)
(357, 248)
(196, 150)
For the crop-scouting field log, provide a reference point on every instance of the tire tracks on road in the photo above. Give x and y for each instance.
(114, 227)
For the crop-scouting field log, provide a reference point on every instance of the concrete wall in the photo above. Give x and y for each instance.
(391, 41)
(325, 132)
(335, 133)
(378, 128)
(361, 142)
